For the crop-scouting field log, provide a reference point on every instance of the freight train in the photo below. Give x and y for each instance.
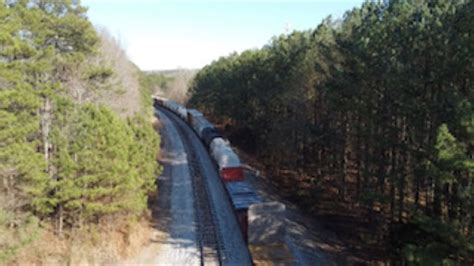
(240, 192)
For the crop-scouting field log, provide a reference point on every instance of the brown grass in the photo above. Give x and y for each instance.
(106, 243)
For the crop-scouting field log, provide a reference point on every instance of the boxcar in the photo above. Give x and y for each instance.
(242, 196)
(198, 122)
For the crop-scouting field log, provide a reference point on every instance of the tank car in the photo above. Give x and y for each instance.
(228, 162)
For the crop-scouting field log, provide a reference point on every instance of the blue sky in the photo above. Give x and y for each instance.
(167, 34)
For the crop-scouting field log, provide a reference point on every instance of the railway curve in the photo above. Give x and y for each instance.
(219, 240)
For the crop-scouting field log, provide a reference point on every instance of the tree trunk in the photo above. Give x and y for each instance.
(60, 220)
(437, 209)
(45, 128)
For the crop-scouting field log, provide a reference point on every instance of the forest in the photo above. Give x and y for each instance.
(77, 146)
(369, 118)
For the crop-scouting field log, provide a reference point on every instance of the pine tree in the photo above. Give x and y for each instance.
(376, 108)
(61, 158)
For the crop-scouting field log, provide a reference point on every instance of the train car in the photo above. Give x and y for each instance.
(182, 112)
(205, 130)
(158, 101)
(193, 119)
(191, 114)
(199, 123)
(171, 105)
(176, 108)
(242, 196)
(228, 162)
(210, 133)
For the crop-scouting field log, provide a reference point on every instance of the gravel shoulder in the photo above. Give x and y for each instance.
(174, 241)
(234, 249)
(175, 238)
(306, 239)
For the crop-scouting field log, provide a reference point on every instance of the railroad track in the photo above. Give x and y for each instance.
(210, 242)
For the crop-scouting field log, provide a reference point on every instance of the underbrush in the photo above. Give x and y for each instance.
(108, 242)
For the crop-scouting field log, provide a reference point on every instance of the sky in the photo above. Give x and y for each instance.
(166, 34)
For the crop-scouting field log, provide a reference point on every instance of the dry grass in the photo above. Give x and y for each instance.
(103, 244)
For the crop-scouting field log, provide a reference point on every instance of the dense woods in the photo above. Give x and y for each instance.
(69, 157)
(370, 115)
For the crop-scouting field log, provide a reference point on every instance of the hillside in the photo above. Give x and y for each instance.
(78, 151)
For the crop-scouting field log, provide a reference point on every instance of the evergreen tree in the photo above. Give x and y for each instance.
(371, 114)
(63, 158)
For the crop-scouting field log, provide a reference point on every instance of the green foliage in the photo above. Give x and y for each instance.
(379, 103)
(62, 159)
(154, 81)
(104, 164)
(425, 241)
